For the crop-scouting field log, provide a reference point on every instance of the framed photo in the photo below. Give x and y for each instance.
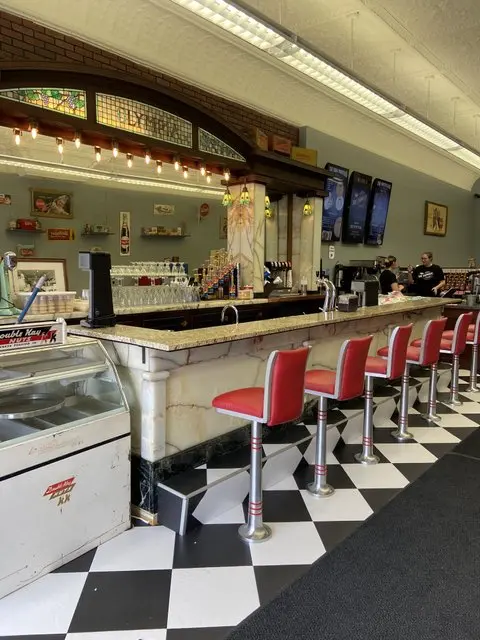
(47, 203)
(436, 218)
(223, 226)
(29, 270)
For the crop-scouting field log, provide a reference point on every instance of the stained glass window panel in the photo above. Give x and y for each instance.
(209, 143)
(143, 119)
(70, 102)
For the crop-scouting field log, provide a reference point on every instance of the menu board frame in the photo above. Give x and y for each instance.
(374, 236)
(334, 203)
(356, 208)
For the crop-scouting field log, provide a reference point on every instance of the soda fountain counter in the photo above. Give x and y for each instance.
(64, 450)
(170, 377)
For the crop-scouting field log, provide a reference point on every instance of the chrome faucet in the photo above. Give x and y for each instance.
(225, 309)
(330, 294)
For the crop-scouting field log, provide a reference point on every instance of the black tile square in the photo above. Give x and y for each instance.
(383, 435)
(332, 533)
(287, 434)
(413, 470)
(211, 546)
(47, 636)
(234, 460)
(272, 580)
(336, 476)
(123, 601)
(217, 633)
(79, 565)
(377, 498)
(282, 506)
(345, 453)
(422, 407)
(188, 481)
(439, 449)
(461, 432)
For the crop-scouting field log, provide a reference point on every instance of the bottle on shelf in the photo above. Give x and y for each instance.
(125, 236)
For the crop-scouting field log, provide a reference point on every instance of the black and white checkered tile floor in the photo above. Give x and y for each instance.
(149, 584)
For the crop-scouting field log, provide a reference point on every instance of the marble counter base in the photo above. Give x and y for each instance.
(182, 340)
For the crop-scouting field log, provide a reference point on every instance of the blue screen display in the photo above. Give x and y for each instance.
(378, 211)
(334, 203)
(356, 208)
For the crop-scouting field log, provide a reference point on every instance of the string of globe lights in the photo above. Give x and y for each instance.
(158, 164)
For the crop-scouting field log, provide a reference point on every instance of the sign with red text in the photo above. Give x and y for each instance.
(61, 234)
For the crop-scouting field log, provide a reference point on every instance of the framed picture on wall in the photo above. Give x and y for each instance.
(29, 270)
(48, 203)
(436, 218)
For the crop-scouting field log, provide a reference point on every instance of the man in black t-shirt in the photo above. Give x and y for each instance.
(428, 278)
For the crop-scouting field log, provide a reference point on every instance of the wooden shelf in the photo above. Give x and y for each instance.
(25, 230)
(163, 235)
(98, 233)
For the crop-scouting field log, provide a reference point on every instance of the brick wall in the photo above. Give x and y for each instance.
(22, 41)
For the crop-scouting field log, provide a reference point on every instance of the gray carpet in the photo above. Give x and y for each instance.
(411, 572)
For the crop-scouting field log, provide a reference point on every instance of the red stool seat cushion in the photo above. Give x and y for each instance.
(413, 353)
(376, 365)
(248, 402)
(448, 335)
(445, 345)
(320, 381)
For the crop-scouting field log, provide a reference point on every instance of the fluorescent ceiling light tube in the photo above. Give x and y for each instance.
(283, 47)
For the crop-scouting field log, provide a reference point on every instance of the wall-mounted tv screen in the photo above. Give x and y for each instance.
(377, 212)
(334, 203)
(356, 207)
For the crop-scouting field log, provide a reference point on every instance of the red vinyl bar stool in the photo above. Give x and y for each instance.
(345, 383)
(473, 339)
(279, 401)
(455, 348)
(425, 355)
(389, 368)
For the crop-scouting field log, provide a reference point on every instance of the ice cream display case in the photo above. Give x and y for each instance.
(64, 450)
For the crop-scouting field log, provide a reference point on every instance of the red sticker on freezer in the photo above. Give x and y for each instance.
(60, 491)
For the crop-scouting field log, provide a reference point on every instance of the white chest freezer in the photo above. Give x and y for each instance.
(64, 456)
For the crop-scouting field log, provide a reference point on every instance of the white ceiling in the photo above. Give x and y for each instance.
(165, 37)
(401, 47)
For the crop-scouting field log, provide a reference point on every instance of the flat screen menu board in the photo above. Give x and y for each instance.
(377, 212)
(334, 203)
(356, 206)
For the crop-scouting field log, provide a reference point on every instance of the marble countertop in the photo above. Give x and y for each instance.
(189, 339)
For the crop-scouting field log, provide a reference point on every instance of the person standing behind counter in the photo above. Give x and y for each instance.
(388, 277)
(427, 277)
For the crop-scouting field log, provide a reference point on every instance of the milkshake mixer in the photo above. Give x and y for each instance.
(8, 262)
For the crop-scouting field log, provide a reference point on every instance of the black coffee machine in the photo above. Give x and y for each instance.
(360, 270)
(100, 311)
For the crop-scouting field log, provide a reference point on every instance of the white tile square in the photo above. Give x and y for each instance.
(410, 452)
(144, 634)
(223, 496)
(343, 505)
(211, 597)
(474, 396)
(468, 407)
(430, 435)
(309, 454)
(377, 476)
(291, 543)
(455, 421)
(139, 549)
(280, 467)
(386, 424)
(44, 607)
(232, 516)
(287, 484)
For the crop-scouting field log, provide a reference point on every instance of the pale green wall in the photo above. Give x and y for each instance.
(404, 236)
(102, 206)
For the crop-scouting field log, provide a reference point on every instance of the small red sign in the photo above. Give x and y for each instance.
(61, 234)
(60, 490)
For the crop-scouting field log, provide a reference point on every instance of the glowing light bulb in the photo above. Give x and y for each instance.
(34, 131)
(159, 166)
(77, 140)
(209, 177)
(226, 174)
(176, 165)
(60, 145)
(185, 172)
(115, 149)
(129, 160)
(203, 170)
(148, 157)
(17, 134)
(98, 154)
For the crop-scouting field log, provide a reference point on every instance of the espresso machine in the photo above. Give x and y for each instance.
(360, 277)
